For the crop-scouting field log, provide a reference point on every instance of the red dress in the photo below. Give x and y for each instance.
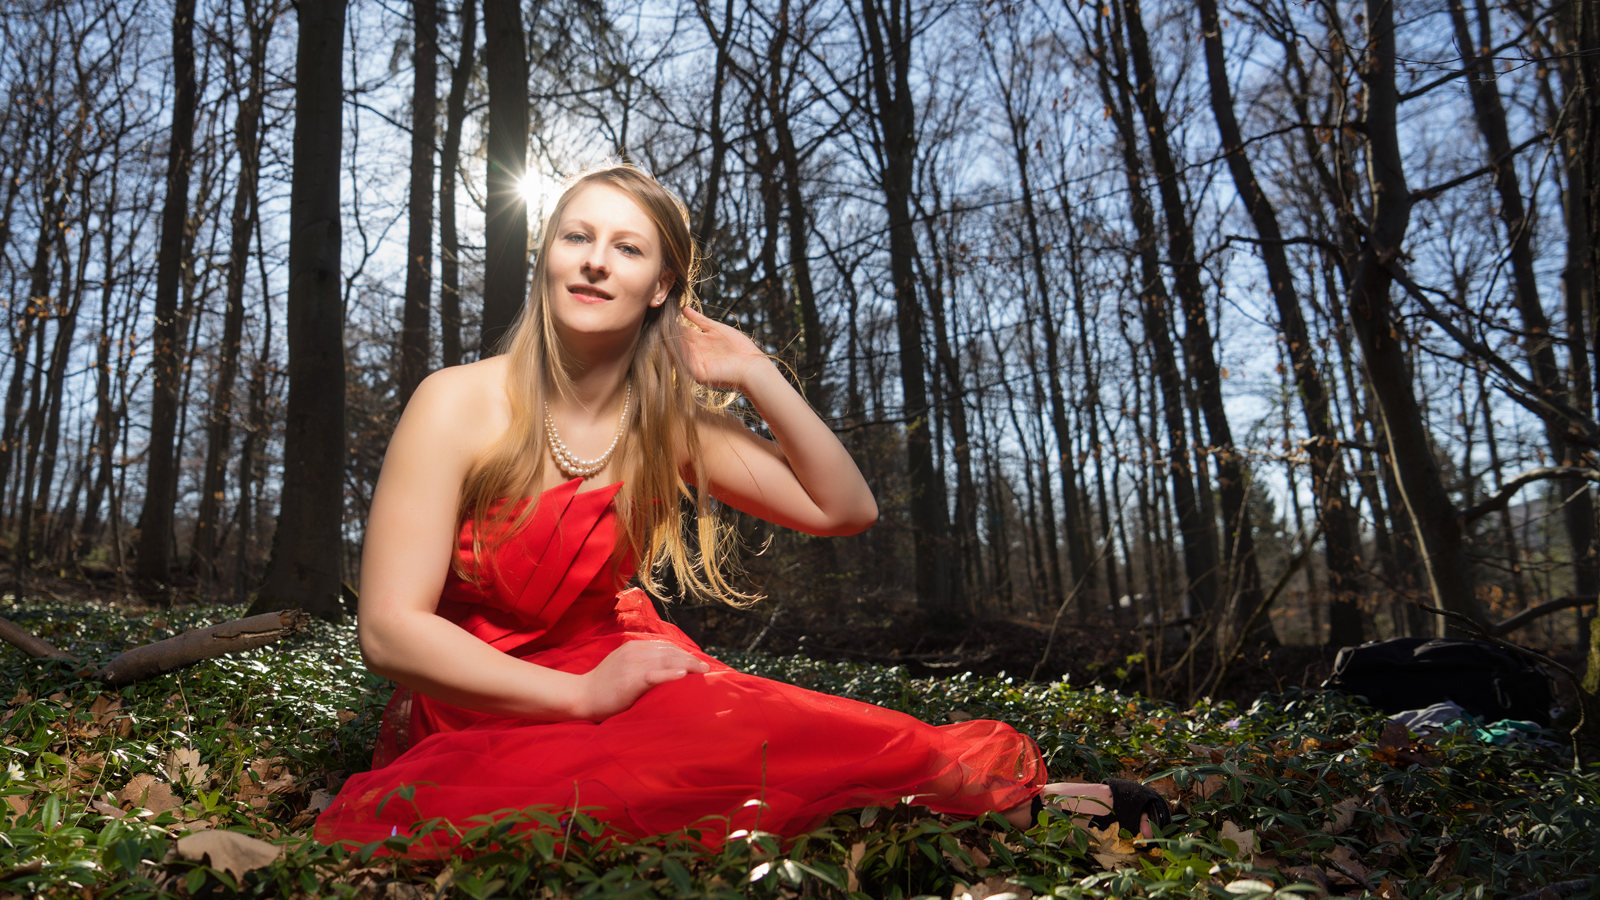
(688, 754)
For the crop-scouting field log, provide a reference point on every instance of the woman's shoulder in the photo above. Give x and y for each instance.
(465, 403)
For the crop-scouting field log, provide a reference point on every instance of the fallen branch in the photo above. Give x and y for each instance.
(1499, 499)
(1540, 611)
(175, 652)
(202, 643)
(30, 643)
(1577, 684)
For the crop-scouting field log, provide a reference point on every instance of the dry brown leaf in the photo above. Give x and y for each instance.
(1310, 875)
(1166, 787)
(399, 890)
(229, 851)
(1444, 865)
(184, 767)
(1341, 816)
(320, 800)
(18, 802)
(857, 850)
(1110, 849)
(1244, 840)
(345, 715)
(106, 809)
(20, 697)
(145, 791)
(1345, 861)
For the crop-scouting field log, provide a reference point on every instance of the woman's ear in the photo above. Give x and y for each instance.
(663, 288)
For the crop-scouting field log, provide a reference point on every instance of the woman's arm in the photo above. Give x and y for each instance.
(411, 535)
(807, 480)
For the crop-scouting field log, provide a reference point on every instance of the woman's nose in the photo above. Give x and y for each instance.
(594, 263)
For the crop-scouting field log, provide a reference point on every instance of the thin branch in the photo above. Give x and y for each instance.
(1538, 612)
(1499, 499)
(1583, 430)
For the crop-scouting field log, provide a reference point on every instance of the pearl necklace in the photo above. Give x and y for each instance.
(567, 461)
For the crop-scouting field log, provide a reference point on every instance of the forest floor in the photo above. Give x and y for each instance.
(205, 782)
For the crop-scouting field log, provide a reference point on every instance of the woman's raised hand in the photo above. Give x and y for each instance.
(718, 355)
(629, 671)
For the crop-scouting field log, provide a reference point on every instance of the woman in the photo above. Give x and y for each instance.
(528, 677)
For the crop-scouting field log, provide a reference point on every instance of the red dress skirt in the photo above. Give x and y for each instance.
(691, 753)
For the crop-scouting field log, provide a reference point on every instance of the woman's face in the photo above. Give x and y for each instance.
(605, 267)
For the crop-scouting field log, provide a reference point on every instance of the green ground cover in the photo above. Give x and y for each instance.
(1298, 795)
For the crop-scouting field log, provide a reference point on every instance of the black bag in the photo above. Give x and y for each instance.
(1484, 679)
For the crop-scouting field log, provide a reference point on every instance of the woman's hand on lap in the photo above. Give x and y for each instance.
(629, 671)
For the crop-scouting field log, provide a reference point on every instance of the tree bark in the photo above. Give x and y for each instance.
(415, 320)
(219, 425)
(1238, 532)
(1578, 511)
(505, 276)
(161, 473)
(449, 163)
(308, 544)
(1341, 529)
(1433, 515)
(889, 32)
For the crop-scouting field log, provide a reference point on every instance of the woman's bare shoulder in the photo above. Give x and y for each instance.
(464, 405)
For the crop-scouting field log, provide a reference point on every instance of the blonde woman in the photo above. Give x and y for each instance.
(518, 496)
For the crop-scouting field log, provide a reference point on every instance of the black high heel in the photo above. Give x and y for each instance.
(1129, 801)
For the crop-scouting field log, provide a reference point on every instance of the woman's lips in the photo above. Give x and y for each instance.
(587, 293)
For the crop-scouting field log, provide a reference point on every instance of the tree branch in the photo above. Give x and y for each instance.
(1499, 499)
(1540, 611)
(175, 652)
(30, 643)
(202, 643)
(1583, 428)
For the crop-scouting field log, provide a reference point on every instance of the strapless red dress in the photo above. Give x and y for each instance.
(691, 753)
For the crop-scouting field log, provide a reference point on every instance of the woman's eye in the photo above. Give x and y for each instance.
(630, 249)
(575, 238)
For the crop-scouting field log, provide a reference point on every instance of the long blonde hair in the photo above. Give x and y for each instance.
(667, 401)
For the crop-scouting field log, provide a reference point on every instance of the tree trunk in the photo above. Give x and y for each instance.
(449, 163)
(1432, 514)
(1578, 510)
(219, 424)
(1199, 552)
(889, 32)
(1238, 532)
(719, 139)
(1588, 152)
(414, 327)
(161, 473)
(505, 271)
(308, 543)
(1341, 529)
